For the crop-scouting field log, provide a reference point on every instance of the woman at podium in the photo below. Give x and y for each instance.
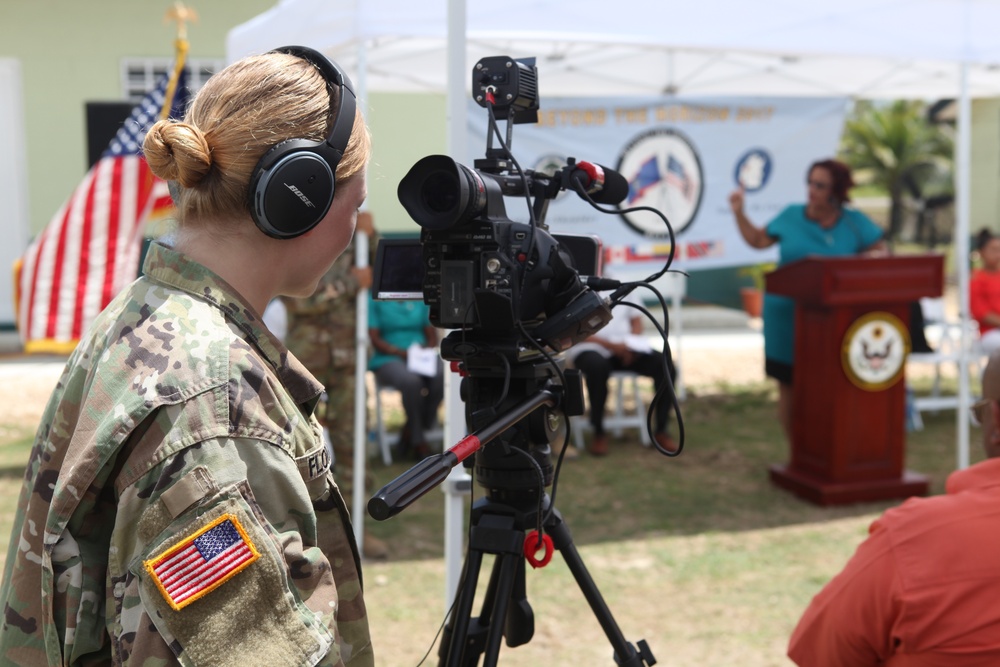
(824, 225)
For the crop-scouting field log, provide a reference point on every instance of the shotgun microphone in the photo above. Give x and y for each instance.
(603, 185)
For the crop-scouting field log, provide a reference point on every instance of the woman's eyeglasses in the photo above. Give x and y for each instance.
(819, 185)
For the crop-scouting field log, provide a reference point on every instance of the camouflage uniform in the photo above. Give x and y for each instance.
(322, 335)
(179, 415)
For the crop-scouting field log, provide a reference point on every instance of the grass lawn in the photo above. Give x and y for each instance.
(699, 555)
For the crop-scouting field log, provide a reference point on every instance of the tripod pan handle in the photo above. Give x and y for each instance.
(398, 494)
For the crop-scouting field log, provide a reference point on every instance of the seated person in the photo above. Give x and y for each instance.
(393, 327)
(923, 588)
(918, 324)
(608, 351)
(984, 291)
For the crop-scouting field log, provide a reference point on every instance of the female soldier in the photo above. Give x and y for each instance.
(178, 505)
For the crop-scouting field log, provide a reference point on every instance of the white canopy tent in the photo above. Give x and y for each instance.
(860, 48)
(869, 48)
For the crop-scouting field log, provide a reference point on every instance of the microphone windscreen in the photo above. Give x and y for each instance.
(615, 188)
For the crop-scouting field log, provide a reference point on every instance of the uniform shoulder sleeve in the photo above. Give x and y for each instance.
(207, 577)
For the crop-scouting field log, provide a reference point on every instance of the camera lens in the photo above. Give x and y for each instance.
(440, 193)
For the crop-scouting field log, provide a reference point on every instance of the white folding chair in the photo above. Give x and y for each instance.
(621, 417)
(387, 440)
(946, 337)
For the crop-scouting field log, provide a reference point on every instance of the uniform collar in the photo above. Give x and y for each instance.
(169, 267)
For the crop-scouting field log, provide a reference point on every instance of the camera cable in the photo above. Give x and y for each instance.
(532, 222)
(666, 390)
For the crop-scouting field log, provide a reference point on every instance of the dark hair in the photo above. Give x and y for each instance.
(984, 236)
(841, 175)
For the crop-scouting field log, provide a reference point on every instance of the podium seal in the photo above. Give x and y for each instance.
(874, 351)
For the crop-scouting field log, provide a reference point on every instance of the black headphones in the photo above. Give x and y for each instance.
(292, 186)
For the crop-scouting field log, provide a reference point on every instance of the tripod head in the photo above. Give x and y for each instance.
(518, 414)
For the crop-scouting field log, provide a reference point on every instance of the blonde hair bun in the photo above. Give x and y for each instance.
(178, 152)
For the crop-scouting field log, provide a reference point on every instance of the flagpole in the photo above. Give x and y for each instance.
(182, 14)
(90, 251)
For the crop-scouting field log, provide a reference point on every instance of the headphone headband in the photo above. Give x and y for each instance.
(293, 184)
(335, 77)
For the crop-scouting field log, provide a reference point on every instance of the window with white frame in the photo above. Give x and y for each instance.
(140, 75)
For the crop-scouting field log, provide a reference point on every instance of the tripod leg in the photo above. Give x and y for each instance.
(519, 627)
(625, 653)
(457, 630)
(518, 619)
(467, 638)
(506, 566)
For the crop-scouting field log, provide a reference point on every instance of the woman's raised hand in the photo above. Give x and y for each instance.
(736, 201)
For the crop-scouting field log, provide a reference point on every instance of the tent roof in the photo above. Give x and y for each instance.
(866, 48)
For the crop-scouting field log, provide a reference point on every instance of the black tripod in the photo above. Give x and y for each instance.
(499, 529)
(515, 472)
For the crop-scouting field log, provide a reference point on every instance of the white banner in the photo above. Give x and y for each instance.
(681, 156)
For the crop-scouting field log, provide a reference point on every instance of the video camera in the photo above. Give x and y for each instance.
(497, 280)
(513, 292)
(514, 295)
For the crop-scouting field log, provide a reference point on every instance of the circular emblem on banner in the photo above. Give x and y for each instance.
(663, 172)
(874, 351)
(753, 170)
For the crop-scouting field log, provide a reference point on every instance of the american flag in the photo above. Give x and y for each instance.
(647, 176)
(199, 564)
(677, 176)
(90, 249)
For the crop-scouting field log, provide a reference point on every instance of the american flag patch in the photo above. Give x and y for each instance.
(202, 562)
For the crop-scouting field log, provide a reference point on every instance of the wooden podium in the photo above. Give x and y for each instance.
(851, 342)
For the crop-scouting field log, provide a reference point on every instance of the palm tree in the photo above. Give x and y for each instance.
(889, 144)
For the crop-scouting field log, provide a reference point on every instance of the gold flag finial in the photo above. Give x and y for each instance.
(183, 15)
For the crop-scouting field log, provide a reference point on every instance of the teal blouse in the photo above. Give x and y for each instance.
(400, 323)
(799, 237)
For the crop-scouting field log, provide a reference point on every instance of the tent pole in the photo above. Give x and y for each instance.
(961, 245)
(360, 355)
(458, 482)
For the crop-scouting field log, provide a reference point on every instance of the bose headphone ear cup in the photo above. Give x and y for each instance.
(292, 190)
(293, 185)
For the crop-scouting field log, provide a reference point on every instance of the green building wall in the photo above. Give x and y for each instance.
(71, 52)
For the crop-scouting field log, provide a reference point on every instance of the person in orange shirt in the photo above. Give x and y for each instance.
(924, 588)
(984, 291)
